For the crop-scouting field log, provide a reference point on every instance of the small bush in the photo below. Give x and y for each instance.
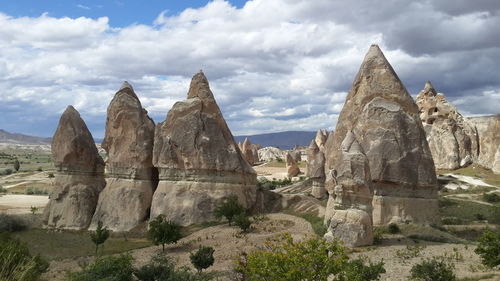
(491, 197)
(16, 263)
(378, 235)
(433, 269)
(163, 231)
(243, 222)
(3, 190)
(162, 267)
(36, 191)
(229, 209)
(39, 169)
(11, 223)
(112, 268)
(50, 175)
(393, 228)
(451, 221)
(99, 236)
(489, 248)
(203, 258)
(479, 217)
(357, 270)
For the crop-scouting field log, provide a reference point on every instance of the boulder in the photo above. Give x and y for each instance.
(488, 128)
(291, 166)
(79, 176)
(380, 126)
(198, 161)
(130, 176)
(270, 153)
(452, 139)
(316, 170)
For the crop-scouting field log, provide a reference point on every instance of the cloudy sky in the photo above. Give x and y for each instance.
(273, 65)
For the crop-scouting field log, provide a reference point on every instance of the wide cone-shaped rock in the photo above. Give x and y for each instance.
(130, 175)
(316, 170)
(452, 139)
(380, 126)
(198, 161)
(79, 177)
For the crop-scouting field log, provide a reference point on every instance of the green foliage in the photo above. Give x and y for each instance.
(489, 248)
(203, 258)
(3, 190)
(11, 223)
(411, 251)
(36, 191)
(6, 172)
(378, 235)
(242, 221)
(110, 268)
(39, 169)
(163, 231)
(393, 228)
(50, 175)
(16, 263)
(33, 210)
(162, 268)
(266, 184)
(316, 223)
(228, 209)
(283, 259)
(99, 236)
(16, 165)
(433, 269)
(491, 197)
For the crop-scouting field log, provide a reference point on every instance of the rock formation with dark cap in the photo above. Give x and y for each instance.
(80, 174)
(199, 163)
(130, 175)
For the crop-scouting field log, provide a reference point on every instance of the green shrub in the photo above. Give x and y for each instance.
(283, 259)
(451, 221)
(229, 209)
(36, 191)
(393, 228)
(491, 197)
(110, 268)
(16, 263)
(11, 223)
(378, 235)
(203, 258)
(6, 172)
(162, 268)
(16, 165)
(39, 169)
(242, 221)
(433, 269)
(50, 175)
(3, 190)
(163, 232)
(489, 248)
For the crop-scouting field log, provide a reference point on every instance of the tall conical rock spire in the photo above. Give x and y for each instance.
(79, 177)
(378, 157)
(198, 161)
(131, 177)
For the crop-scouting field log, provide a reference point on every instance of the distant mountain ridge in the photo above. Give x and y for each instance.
(15, 138)
(283, 140)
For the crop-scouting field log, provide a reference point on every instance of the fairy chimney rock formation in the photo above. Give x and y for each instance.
(453, 140)
(321, 137)
(316, 170)
(130, 176)
(79, 177)
(378, 147)
(248, 152)
(198, 160)
(291, 166)
(488, 128)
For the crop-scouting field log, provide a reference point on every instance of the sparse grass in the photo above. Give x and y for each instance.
(472, 190)
(69, 244)
(475, 171)
(468, 212)
(315, 221)
(427, 233)
(29, 160)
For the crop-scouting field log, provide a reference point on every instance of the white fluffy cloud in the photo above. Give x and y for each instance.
(273, 65)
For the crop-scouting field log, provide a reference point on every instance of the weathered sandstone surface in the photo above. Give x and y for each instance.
(316, 170)
(488, 128)
(378, 160)
(452, 139)
(270, 153)
(198, 161)
(80, 174)
(130, 176)
(291, 166)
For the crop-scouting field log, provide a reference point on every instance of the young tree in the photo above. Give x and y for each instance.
(229, 209)
(203, 258)
(314, 259)
(16, 165)
(163, 231)
(489, 248)
(242, 221)
(433, 269)
(99, 236)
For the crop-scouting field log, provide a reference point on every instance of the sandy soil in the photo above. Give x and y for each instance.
(21, 204)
